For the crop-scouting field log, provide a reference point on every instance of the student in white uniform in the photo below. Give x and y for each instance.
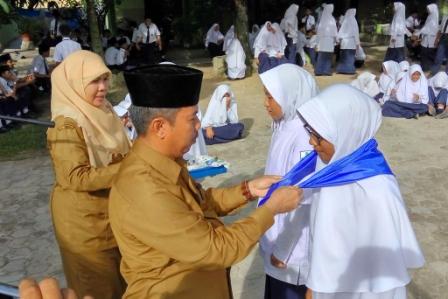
(327, 33)
(269, 47)
(129, 128)
(398, 30)
(348, 37)
(362, 241)
(116, 55)
(301, 44)
(311, 46)
(366, 83)
(213, 41)
(199, 148)
(66, 46)
(220, 123)
(41, 69)
(150, 41)
(290, 27)
(287, 87)
(442, 47)
(230, 35)
(411, 96)
(428, 35)
(438, 93)
(387, 80)
(253, 35)
(308, 20)
(235, 60)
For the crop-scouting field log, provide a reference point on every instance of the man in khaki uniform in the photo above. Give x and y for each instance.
(167, 227)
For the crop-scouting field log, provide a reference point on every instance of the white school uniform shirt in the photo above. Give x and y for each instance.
(38, 65)
(135, 35)
(65, 48)
(269, 42)
(349, 32)
(362, 241)
(407, 88)
(327, 30)
(217, 114)
(412, 22)
(111, 56)
(128, 41)
(398, 27)
(387, 81)
(290, 23)
(301, 43)
(309, 21)
(290, 86)
(236, 60)
(438, 82)
(5, 85)
(430, 29)
(153, 32)
(312, 42)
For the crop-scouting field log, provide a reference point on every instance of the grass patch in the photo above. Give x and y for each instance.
(22, 142)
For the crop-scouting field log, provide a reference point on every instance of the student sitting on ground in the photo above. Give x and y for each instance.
(438, 93)
(17, 104)
(41, 70)
(235, 60)
(116, 54)
(214, 40)
(220, 123)
(387, 80)
(366, 83)
(411, 96)
(269, 47)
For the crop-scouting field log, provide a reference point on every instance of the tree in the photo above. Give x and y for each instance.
(241, 30)
(93, 27)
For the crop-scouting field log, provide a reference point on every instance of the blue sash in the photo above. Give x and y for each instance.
(367, 161)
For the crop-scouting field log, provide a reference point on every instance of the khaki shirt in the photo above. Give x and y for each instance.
(172, 242)
(79, 201)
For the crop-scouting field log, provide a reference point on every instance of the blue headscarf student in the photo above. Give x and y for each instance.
(362, 241)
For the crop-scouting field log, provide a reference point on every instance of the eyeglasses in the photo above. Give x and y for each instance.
(312, 133)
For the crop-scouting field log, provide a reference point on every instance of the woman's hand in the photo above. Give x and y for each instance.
(277, 263)
(47, 288)
(209, 132)
(260, 186)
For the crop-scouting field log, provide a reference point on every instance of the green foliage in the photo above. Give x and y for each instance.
(34, 27)
(22, 142)
(7, 14)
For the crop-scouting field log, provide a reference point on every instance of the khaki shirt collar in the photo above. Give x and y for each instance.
(169, 168)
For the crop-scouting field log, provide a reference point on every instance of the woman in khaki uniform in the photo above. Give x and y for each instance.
(86, 145)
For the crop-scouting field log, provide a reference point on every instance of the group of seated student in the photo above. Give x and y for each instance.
(403, 90)
(117, 53)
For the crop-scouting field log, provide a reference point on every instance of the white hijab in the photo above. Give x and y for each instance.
(438, 82)
(199, 148)
(349, 27)
(253, 35)
(217, 114)
(404, 66)
(236, 60)
(361, 238)
(407, 88)
(230, 35)
(431, 26)
(290, 22)
(327, 25)
(366, 83)
(387, 81)
(268, 42)
(398, 25)
(213, 36)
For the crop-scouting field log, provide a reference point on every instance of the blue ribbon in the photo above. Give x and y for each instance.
(367, 161)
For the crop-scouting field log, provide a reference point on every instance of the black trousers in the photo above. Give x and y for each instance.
(150, 53)
(277, 289)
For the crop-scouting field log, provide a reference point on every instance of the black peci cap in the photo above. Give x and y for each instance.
(4, 58)
(164, 86)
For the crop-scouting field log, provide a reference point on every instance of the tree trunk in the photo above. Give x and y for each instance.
(241, 30)
(112, 17)
(95, 37)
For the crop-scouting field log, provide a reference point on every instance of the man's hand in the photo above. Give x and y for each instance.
(277, 263)
(284, 199)
(46, 289)
(209, 132)
(259, 186)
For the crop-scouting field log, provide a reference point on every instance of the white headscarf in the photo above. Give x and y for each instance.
(407, 88)
(387, 81)
(230, 35)
(366, 83)
(349, 27)
(217, 114)
(236, 60)
(404, 66)
(431, 26)
(253, 35)
(327, 25)
(290, 22)
(398, 25)
(271, 43)
(438, 82)
(213, 36)
(199, 148)
(361, 238)
(290, 86)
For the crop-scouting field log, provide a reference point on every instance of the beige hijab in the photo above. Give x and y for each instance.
(103, 131)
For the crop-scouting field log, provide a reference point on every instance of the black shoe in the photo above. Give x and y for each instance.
(3, 130)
